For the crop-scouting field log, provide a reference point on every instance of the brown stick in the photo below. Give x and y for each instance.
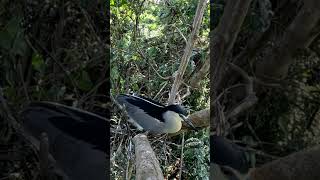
(187, 51)
(147, 164)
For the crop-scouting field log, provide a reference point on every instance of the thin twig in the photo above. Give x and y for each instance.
(161, 89)
(188, 93)
(67, 73)
(181, 159)
(249, 100)
(185, 39)
(87, 95)
(244, 75)
(151, 65)
(259, 152)
(24, 86)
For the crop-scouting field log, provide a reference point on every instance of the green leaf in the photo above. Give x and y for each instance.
(123, 2)
(13, 26)
(52, 91)
(37, 62)
(5, 40)
(114, 72)
(84, 82)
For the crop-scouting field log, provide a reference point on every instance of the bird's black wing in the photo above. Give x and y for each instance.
(150, 107)
(150, 100)
(77, 123)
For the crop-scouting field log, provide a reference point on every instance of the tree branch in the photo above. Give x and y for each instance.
(147, 164)
(299, 34)
(201, 118)
(299, 166)
(248, 101)
(221, 45)
(187, 51)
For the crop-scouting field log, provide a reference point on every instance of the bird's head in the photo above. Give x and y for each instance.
(177, 109)
(183, 113)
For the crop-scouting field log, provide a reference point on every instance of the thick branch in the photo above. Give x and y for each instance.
(298, 166)
(147, 164)
(299, 34)
(201, 118)
(187, 52)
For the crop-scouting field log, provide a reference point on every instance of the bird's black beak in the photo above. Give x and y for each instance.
(185, 119)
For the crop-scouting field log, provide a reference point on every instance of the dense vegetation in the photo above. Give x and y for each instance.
(148, 40)
(59, 51)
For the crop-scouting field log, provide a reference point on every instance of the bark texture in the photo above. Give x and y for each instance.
(147, 164)
(297, 166)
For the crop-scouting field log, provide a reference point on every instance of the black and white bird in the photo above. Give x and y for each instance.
(153, 116)
(77, 138)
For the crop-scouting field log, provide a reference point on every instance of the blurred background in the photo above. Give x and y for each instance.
(49, 51)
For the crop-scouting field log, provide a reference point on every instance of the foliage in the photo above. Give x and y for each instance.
(196, 155)
(148, 40)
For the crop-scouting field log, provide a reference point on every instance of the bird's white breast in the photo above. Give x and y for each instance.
(172, 121)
